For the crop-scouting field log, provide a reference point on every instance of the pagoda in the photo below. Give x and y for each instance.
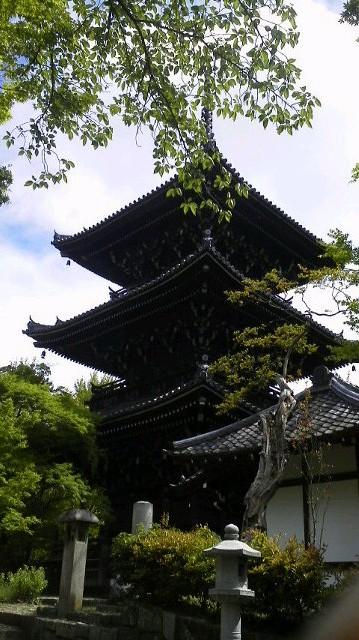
(166, 322)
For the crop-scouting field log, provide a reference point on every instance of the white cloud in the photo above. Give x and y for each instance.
(42, 286)
(306, 174)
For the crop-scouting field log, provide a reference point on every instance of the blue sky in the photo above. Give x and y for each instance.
(306, 174)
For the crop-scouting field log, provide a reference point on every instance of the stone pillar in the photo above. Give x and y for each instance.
(231, 586)
(142, 516)
(77, 523)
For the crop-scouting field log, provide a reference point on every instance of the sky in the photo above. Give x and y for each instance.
(306, 174)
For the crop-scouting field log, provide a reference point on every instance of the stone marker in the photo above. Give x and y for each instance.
(231, 580)
(77, 523)
(142, 516)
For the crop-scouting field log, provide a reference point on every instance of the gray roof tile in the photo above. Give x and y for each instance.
(333, 409)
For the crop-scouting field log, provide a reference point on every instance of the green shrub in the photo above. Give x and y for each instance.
(166, 565)
(25, 585)
(289, 581)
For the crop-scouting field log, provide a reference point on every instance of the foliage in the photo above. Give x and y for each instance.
(162, 563)
(355, 172)
(35, 372)
(166, 565)
(262, 353)
(152, 63)
(48, 459)
(25, 585)
(5, 182)
(289, 581)
(259, 356)
(83, 388)
(350, 12)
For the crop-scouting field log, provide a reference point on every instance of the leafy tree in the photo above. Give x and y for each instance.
(83, 388)
(152, 63)
(350, 14)
(47, 464)
(264, 357)
(34, 371)
(5, 182)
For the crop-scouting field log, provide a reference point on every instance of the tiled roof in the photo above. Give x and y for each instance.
(61, 240)
(277, 211)
(101, 312)
(126, 408)
(333, 411)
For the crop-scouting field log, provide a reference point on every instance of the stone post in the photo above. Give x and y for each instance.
(77, 523)
(142, 516)
(231, 585)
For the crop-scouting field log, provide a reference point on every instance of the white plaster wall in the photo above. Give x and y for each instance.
(336, 507)
(334, 458)
(285, 513)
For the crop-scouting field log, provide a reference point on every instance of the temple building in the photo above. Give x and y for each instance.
(317, 500)
(164, 324)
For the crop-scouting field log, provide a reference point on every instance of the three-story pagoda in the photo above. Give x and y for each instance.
(166, 322)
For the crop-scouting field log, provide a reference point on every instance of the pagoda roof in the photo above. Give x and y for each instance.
(332, 411)
(116, 219)
(133, 302)
(151, 410)
(93, 247)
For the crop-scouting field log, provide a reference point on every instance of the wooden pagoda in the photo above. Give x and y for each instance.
(167, 321)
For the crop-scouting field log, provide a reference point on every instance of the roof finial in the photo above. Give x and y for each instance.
(207, 119)
(207, 238)
(202, 367)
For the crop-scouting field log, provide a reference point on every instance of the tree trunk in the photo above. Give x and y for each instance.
(272, 461)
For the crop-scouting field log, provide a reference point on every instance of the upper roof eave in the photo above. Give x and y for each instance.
(268, 204)
(62, 241)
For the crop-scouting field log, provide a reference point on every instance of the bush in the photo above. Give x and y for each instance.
(166, 565)
(289, 581)
(25, 585)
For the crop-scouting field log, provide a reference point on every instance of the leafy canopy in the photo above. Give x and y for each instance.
(261, 353)
(152, 63)
(5, 182)
(350, 14)
(48, 459)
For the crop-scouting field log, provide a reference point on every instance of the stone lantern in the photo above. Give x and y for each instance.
(77, 523)
(231, 585)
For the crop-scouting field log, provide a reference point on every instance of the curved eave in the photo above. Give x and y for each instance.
(62, 241)
(273, 209)
(74, 245)
(333, 410)
(163, 400)
(118, 299)
(51, 337)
